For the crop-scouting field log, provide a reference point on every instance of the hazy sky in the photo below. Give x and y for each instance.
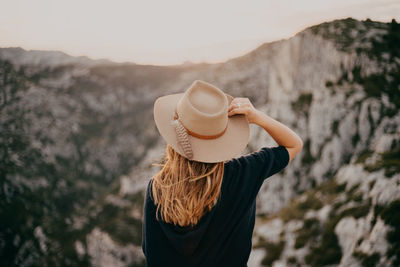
(170, 31)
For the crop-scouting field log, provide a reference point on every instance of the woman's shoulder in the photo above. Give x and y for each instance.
(262, 152)
(149, 191)
(277, 155)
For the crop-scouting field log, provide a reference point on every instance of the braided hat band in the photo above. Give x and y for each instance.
(183, 139)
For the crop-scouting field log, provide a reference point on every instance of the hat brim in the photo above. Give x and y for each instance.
(223, 148)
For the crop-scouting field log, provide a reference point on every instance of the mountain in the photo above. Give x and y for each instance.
(20, 57)
(77, 143)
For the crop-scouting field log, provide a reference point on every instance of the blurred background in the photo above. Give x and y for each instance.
(78, 80)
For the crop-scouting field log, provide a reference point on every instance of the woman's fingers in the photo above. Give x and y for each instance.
(232, 112)
(237, 110)
(241, 105)
(238, 106)
(233, 106)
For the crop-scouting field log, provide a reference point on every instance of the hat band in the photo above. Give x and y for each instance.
(200, 136)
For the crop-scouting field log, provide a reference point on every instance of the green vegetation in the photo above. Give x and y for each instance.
(376, 84)
(328, 83)
(302, 104)
(356, 197)
(311, 203)
(333, 86)
(373, 84)
(367, 260)
(63, 197)
(350, 35)
(307, 158)
(371, 184)
(355, 139)
(310, 230)
(335, 127)
(345, 33)
(353, 196)
(331, 187)
(327, 251)
(120, 224)
(293, 261)
(357, 211)
(341, 31)
(273, 250)
(353, 189)
(297, 208)
(321, 239)
(350, 92)
(391, 216)
(364, 155)
(389, 43)
(390, 161)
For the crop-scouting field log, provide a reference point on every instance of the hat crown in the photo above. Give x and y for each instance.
(203, 109)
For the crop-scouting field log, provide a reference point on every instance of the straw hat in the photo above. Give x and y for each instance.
(196, 123)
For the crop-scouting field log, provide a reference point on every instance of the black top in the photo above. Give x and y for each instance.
(222, 237)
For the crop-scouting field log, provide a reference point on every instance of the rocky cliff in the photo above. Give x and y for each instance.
(77, 141)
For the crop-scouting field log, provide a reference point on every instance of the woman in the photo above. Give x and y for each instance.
(200, 208)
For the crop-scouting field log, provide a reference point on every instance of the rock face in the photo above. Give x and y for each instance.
(77, 143)
(349, 220)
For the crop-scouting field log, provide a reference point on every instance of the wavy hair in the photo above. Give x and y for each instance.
(185, 190)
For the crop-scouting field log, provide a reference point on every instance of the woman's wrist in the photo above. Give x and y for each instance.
(254, 117)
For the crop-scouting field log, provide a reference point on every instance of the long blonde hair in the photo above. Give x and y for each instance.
(185, 190)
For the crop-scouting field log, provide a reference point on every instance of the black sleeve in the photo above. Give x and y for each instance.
(278, 157)
(265, 162)
(147, 198)
(249, 172)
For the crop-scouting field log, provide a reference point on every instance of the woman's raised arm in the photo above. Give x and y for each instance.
(282, 134)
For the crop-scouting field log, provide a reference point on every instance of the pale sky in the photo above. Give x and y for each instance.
(167, 32)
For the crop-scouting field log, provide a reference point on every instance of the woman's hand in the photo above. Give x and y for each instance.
(241, 105)
(279, 132)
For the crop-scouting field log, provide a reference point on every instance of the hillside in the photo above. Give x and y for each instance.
(349, 220)
(77, 140)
